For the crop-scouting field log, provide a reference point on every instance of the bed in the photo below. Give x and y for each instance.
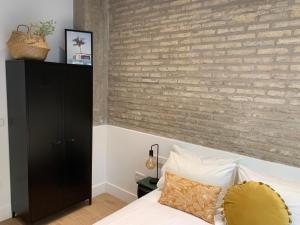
(215, 168)
(147, 211)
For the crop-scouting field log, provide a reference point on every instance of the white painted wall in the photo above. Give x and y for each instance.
(12, 13)
(99, 159)
(128, 151)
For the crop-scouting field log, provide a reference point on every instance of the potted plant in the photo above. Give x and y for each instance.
(43, 29)
(31, 43)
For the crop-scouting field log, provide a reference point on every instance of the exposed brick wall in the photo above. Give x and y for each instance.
(220, 73)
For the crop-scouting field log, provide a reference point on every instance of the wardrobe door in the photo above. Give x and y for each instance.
(45, 118)
(78, 91)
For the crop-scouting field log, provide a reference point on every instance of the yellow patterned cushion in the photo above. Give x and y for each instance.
(253, 203)
(189, 196)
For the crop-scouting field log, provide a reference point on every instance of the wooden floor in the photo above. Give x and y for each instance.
(83, 214)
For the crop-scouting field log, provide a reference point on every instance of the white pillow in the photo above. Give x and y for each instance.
(193, 156)
(218, 174)
(290, 192)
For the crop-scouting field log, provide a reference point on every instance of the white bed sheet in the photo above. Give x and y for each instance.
(147, 211)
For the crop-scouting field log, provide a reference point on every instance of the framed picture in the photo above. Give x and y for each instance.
(79, 47)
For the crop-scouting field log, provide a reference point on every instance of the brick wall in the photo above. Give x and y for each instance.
(220, 73)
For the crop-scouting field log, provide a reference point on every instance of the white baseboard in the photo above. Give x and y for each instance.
(98, 189)
(5, 212)
(114, 190)
(120, 193)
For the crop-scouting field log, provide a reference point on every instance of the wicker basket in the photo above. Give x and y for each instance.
(24, 45)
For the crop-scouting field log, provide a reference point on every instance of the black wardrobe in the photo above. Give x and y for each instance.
(50, 136)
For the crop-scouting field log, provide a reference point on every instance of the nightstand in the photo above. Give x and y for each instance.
(144, 187)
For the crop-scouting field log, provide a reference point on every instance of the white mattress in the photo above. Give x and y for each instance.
(147, 211)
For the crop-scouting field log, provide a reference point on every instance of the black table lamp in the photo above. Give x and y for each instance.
(150, 163)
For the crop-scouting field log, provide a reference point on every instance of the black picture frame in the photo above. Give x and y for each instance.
(83, 56)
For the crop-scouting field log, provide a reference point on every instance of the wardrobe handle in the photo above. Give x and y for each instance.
(57, 143)
(72, 140)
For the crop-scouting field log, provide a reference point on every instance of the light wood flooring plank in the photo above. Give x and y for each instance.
(82, 214)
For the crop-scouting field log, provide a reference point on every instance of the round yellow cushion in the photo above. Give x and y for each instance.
(253, 203)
